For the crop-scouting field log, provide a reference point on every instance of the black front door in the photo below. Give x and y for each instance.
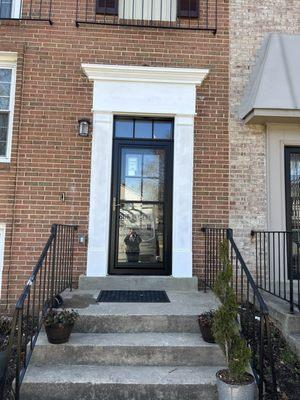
(292, 190)
(141, 210)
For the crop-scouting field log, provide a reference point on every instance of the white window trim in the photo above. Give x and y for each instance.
(2, 247)
(8, 60)
(147, 91)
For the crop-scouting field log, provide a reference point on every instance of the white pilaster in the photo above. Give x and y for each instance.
(182, 265)
(100, 192)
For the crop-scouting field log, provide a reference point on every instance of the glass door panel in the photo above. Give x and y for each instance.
(292, 161)
(141, 212)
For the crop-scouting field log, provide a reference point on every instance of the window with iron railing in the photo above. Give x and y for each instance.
(164, 10)
(33, 10)
(191, 14)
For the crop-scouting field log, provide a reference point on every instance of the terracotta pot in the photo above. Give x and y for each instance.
(206, 331)
(228, 391)
(58, 334)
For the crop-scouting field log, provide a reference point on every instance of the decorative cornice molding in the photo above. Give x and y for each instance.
(8, 57)
(101, 72)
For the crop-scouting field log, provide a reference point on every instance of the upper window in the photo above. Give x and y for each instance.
(143, 128)
(7, 93)
(6, 8)
(107, 6)
(149, 9)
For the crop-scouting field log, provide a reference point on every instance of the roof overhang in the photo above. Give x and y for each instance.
(264, 116)
(273, 91)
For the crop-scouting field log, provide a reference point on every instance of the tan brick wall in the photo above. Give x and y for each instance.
(52, 94)
(250, 21)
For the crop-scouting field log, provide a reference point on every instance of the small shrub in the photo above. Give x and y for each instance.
(225, 326)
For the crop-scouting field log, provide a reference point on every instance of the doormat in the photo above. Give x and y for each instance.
(133, 296)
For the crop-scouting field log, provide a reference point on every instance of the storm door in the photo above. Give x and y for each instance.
(292, 190)
(141, 209)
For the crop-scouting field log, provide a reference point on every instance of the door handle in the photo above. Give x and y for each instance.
(115, 205)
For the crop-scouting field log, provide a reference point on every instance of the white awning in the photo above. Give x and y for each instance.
(273, 91)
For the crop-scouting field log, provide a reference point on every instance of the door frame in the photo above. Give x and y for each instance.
(147, 91)
(166, 268)
(288, 209)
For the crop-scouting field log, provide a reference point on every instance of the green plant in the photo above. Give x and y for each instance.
(225, 326)
(5, 325)
(64, 317)
(207, 318)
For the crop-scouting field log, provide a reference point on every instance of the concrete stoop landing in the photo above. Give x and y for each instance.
(129, 351)
(288, 323)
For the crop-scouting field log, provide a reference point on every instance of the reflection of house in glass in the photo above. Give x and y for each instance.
(141, 204)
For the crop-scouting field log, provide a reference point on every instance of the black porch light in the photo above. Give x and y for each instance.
(84, 127)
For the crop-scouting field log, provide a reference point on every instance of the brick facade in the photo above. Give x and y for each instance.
(48, 157)
(249, 23)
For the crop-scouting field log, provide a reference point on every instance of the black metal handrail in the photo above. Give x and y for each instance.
(174, 14)
(277, 264)
(253, 311)
(26, 10)
(52, 274)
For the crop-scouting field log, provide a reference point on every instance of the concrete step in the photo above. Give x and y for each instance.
(280, 313)
(90, 323)
(77, 382)
(289, 324)
(180, 315)
(138, 283)
(185, 349)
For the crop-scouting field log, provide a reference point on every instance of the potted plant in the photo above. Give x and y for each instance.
(205, 323)
(59, 325)
(235, 382)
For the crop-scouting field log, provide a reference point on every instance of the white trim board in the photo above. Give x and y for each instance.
(278, 136)
(8, 60)
(165, 92)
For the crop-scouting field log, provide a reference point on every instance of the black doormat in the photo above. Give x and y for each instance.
(133, 296)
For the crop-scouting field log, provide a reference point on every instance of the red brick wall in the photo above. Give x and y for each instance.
(48, 157)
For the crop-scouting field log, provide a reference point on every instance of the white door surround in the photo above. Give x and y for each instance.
(147, 91)
(278, 136)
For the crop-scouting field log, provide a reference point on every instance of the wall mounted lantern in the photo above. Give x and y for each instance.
(84, 127)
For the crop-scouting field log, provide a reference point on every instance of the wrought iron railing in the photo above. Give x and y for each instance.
(26, 10)
(253, 311)
(175, 14)
(277, 264)
(52, 274)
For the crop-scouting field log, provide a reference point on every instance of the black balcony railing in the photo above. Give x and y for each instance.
(253, 311)
(26, 10)
(52, 274)
(278, 264)
(174, 14)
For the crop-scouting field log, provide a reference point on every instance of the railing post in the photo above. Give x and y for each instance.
(53, 263)
(203, 230)
(229, 233)
(290, 271)
(74, 230)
